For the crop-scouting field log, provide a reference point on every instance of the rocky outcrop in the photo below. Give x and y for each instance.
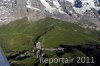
(84, 12)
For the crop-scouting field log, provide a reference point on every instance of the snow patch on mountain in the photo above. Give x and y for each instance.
(71, 1)
(58, 6)
(47, 6)
(6, 0)
(29, 5)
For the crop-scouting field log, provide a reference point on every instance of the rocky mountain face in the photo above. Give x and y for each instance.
(85, 12)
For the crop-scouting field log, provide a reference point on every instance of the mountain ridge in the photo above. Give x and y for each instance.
(82, 11)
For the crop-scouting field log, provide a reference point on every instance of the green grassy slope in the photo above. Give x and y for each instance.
(68, 34)
(21, 34)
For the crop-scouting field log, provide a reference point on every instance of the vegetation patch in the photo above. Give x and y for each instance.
(21, 35)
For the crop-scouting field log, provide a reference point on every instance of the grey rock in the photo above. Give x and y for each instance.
(11, 10)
